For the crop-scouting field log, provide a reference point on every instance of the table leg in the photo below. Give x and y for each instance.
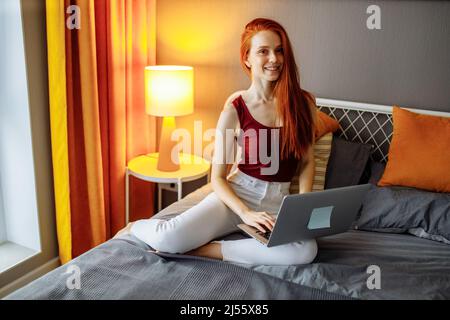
(127, 195)
(180, 189)
(159, 197)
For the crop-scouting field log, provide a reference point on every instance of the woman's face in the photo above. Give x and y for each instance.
(265, 57)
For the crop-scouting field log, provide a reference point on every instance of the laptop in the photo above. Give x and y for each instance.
(312, 215)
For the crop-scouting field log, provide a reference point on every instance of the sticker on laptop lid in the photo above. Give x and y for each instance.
(320, 218)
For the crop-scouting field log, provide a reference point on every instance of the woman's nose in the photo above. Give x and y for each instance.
(273, 57)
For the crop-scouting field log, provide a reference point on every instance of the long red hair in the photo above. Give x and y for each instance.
(292, 103)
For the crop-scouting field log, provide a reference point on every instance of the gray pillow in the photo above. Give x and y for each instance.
(347, 163)
(373, 172)
(376, 171)
(406, 210)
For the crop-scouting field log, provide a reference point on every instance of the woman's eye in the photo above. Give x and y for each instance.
(265, 51)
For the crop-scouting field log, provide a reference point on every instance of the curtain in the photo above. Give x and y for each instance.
(97, 115)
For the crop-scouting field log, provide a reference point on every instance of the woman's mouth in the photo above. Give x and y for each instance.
(272, 69)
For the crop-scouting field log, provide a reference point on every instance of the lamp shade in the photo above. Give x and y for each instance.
(169, 90)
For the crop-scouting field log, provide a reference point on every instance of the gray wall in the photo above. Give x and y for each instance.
(407, 62)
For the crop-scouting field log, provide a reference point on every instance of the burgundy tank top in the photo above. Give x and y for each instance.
(253, 135)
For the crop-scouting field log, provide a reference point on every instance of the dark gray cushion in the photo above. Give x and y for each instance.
(400, 209)
(373, 172)
(347, 163)
(376, 171)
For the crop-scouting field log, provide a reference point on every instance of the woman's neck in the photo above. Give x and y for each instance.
(262, 91)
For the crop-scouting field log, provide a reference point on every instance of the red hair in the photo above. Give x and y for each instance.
(292, 103)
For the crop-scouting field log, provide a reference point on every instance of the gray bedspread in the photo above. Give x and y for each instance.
(409, 268)
(123, 269)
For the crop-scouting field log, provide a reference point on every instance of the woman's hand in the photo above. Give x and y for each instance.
(261, 220)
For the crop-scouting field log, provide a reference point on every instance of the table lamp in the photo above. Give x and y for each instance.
(169, 92)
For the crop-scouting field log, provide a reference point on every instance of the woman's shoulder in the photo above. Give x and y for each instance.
(309, 96)
(229, 102)
(311, 100)
(229, 118)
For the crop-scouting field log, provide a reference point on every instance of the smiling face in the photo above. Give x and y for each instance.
(265, 57)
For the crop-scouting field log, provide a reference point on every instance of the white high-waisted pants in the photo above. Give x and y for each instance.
(211, 219)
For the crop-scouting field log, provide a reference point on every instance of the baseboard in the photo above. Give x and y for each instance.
(30, 276)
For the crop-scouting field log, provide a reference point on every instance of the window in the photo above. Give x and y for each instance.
(2, 219)
(19, 228)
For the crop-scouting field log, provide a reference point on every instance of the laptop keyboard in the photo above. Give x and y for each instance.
(264, 234)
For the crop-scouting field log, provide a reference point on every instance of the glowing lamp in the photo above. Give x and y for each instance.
(169, 92)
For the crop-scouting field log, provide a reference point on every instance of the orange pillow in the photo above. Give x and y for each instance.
(324, 124)
(419, 154)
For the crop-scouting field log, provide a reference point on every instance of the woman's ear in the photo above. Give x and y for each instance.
(247, 63)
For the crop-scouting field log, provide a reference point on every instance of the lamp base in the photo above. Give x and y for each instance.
(167, 161)
(166, 164)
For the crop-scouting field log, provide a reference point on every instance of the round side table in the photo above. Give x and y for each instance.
(144, 167)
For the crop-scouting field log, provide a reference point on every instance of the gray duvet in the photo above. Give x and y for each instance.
(355, 264)
(122, 269)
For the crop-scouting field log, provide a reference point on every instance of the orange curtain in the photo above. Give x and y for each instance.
(102, 93)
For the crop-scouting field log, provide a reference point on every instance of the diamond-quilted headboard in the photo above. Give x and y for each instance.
(366, 123)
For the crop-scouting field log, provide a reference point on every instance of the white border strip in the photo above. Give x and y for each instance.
(341, 104)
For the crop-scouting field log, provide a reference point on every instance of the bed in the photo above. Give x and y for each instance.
(362, 263)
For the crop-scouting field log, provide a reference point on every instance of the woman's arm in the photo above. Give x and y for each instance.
(223, 152)
(307, 172)
(224, 147)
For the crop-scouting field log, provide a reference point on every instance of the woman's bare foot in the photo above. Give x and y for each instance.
(124, 231)
(210, 250)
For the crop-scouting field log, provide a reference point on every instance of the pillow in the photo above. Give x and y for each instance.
(373, 172)
(376, 171)
(322, 150)
(347, 163)
(419, 154)
(400, 209)
(324, 124)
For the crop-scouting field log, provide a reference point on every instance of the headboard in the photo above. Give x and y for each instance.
(366, 123)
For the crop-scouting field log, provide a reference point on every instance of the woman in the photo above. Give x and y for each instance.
(251, 194)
